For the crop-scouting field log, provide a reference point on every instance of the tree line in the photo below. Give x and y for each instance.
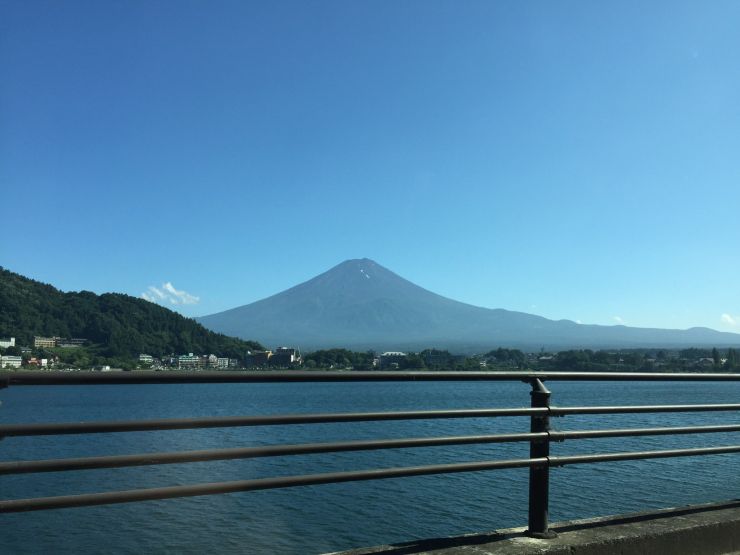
(572, 360)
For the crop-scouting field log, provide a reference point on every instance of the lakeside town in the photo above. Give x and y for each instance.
(47, 353)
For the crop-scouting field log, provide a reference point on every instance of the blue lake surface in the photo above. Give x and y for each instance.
(326, 518)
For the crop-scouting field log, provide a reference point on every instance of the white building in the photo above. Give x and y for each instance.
(222, 363)
(189, 362)
(6, 342)
(10, 361)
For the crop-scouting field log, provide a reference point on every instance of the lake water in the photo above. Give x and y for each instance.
(325, 518)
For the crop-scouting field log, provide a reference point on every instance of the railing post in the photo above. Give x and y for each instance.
(539, 477)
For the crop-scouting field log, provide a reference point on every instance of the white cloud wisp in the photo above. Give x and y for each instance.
(730, 320)
(168, 294)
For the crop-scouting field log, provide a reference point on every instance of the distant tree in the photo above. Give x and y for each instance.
(694, 354)
(364, 361)
(437, 359)
(603, 357)
(732, 359)
(716, 357)
(413, 361)
(508, 357)
(573, 360)
(339, 358)
(633, 359)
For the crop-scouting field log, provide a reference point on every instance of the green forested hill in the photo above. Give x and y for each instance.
(119, 324)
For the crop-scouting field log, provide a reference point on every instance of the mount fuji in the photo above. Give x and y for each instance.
(360, 305)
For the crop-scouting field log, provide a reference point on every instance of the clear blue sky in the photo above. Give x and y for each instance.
(576, 160)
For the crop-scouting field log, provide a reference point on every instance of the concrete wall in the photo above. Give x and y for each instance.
(694, 530)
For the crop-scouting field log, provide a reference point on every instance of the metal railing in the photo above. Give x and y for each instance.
(539, 437)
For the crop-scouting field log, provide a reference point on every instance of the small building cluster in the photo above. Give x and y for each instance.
(195, 362)
(189, 361)
(52, 342)
(16, 361)
(391, 360)
(282, 357)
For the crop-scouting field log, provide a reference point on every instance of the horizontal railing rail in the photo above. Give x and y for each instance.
(255, 452)
(630, 409)
(539, 437)
(637, 432)
(231, 421)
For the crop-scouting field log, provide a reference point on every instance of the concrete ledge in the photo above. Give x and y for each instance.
(693, 530)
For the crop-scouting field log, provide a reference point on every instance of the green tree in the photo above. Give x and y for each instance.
(507, 357)
(603, 357)
(694, 353)
(573, 360)
(732, 359)
(716, 357)
(413, 361)
(633, 359)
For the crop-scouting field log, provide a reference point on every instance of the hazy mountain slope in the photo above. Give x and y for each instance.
(360, 304)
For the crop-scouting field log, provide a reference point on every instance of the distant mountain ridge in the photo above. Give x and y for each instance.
(120, 325)
(359, 304)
